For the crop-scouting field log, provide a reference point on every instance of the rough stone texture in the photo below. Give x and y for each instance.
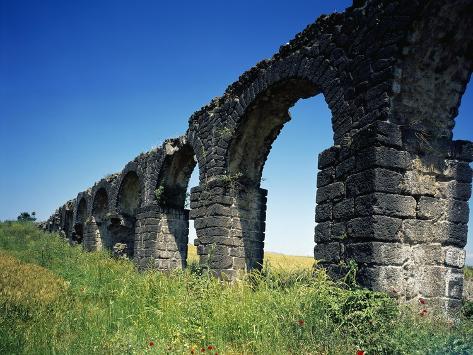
(392, 190)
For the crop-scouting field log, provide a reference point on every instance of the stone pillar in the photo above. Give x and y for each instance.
(438, 234)
(229, 219)
(161, 238)
(96, 234)
(400, 215)
(91, 240)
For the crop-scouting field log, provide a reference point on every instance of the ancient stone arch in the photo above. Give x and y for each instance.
(97, 235)
(122, 223)
(392, 191)
(164, 225)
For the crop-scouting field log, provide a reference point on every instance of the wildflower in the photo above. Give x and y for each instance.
(210, 347)
(301, 322)
(423, 312)
(360, 352)
(192, 351)
(421, 300)
(151, 343)
(202, 350)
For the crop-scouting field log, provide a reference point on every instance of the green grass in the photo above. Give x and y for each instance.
(58, 299)
(469, 272)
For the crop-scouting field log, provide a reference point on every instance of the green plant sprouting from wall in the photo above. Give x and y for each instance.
(159, 194)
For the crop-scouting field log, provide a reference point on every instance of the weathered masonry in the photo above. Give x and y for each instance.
(392, 191)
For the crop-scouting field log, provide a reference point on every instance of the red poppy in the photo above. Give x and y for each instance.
(423, 312)
(421, 301)
(192, 351)
(360, 352)
(151, 343)
(202, 350)
(301, 322)
(210, 347)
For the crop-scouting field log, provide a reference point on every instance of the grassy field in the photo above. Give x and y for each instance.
(469, 272)
(58, 299)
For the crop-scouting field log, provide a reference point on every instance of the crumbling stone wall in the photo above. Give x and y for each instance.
(392, 191)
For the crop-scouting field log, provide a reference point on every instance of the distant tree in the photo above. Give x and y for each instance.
(25, 216)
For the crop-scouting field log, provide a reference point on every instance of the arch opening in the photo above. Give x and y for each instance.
(68, 223)
(289, 176)
(249, 150)
(100, 204)
(81, 216)
(261, 125)
(100, 208)
(122, 226)
(174, 179)
(129, 195)
(172, 195)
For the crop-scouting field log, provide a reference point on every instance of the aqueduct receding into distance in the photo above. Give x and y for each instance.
(392, 192)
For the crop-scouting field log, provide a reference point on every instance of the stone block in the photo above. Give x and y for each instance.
(217, 261)
(330, 192)
(442, 209)
(426, 254)
(378, 253)
(454, 256)
(239, 263)
(458, 170)
(383, 157)
(374, 180)
(345, 167)
(375, 227)
(420, 231)
(382, 278)
(462, 150)
(378, 133)
(344, 210)
(385, 204)
(323, 232)
(453, 189)
(325, 177)
(431, 208)
(432, 281)
(237, 251)
(323, 212)
(328, 252)
(454, 234)
(328, 157)
(455, 280)
(219, 210)
(339, 231)
(418, 183)
(233, 241)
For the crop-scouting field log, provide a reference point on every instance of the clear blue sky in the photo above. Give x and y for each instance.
(86, 86)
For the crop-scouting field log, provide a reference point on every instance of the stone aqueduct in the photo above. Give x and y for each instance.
(392, 192)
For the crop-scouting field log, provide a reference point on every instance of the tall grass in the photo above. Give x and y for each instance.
(469, 272)
(97, 304)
